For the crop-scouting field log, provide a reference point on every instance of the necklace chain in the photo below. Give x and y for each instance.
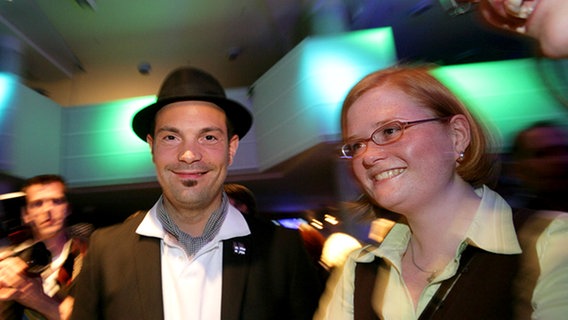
(432, 273)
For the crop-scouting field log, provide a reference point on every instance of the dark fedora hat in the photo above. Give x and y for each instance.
(187, 84)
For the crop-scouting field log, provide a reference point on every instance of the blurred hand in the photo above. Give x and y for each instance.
(66, 307)
(502, 14)
(543, 20)
(12, 278)
(15, 285)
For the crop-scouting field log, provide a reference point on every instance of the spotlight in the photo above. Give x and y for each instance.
(144, 68)
(458, 7)
(233, 53)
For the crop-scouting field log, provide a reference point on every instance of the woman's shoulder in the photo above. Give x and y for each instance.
(540, 220)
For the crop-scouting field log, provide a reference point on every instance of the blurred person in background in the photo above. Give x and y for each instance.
(35, 282)
(540, 165)
(336, 248)
(543, 20)
(241, 198)
(459, 250)
(313, 241)
(244, 200)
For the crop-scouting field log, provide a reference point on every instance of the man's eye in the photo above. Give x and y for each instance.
(169, 138)
(36, 204)
(59, 201)
(209, 139)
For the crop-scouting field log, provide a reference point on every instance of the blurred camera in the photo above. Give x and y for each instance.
(37, 257)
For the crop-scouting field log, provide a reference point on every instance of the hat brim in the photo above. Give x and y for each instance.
(237, 114)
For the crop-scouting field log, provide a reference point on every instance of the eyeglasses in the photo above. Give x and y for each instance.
(385, 134)
(39, 203)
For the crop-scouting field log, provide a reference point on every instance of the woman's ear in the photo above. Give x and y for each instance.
(460, 132)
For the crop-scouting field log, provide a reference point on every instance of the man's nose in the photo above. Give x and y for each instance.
(45, 212)
(189, 154)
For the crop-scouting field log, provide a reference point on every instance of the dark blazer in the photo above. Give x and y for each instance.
(273, 279)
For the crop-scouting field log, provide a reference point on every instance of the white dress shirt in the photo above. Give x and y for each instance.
(192, 286)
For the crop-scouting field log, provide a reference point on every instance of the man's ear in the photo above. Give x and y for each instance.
(150, 142)
(460, 131)
(233, 146)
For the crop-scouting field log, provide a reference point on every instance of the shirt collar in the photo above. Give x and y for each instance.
(234, 225)
(492, 230)
(492, 227)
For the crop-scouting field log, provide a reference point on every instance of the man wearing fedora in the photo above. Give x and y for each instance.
(193, 255)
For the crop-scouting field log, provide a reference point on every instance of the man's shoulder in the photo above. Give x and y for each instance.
(125, 229)
(263, 229)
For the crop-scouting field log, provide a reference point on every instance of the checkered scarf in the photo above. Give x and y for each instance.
(191, 244)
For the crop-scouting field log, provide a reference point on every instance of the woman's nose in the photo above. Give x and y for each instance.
(372, 154)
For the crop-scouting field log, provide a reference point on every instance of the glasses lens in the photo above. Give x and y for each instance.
(388, 133)
(346, 151)
(353, 149)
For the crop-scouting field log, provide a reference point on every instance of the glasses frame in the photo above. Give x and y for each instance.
(403, 125)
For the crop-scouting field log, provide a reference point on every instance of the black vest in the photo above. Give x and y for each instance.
(484, 287)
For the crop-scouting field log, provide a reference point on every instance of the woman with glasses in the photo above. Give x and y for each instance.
(459, 251)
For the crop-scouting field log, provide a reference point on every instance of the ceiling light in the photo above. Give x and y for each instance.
(457, 7)
(91, 4)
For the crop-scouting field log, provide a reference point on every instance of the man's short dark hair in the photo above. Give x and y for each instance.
(241, 195)
(43, 180)
(518, 148)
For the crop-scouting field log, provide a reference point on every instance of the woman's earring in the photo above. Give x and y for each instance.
(461, 157)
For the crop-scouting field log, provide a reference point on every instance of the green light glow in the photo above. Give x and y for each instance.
(111, 121)
(330, 66)
(297, 102)
(506, 95)
(100, 144)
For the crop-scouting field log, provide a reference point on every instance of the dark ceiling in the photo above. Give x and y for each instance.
(78, 54)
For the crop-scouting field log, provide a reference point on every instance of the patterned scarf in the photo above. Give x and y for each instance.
(190, 244)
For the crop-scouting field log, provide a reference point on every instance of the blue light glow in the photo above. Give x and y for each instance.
(7, 87)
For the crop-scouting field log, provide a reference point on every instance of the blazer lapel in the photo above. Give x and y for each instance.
(148, 266)
(236, 261)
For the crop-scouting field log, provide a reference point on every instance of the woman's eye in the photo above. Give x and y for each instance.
(357, 146)
(390, 130)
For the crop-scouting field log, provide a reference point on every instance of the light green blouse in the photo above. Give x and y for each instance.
(492, 230)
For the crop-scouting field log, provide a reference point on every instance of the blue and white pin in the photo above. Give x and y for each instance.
(239, 248)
